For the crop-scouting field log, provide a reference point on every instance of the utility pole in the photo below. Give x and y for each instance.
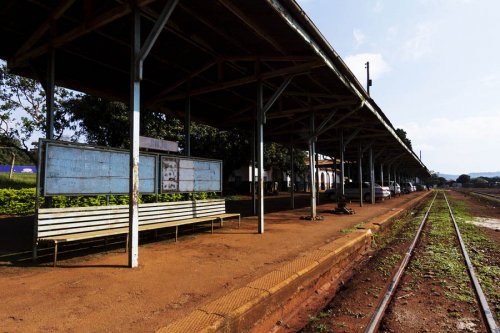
(368, 80)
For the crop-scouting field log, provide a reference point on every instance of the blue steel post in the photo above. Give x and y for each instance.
(260, 155)
(134, 118)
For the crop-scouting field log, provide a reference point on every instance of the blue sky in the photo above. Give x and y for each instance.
(435, 66)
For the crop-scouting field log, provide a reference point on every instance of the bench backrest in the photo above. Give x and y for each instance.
(62, 221)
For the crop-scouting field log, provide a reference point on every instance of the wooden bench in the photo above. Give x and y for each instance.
(60, 225)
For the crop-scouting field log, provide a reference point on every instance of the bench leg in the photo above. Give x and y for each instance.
(239, 221)
(55, 253)
(35, 251)
(176, 232)
(126, 244)
(212, 226)
(221, 222)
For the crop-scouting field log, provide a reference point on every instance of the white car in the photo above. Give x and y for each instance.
(394, 188)
(352, 192)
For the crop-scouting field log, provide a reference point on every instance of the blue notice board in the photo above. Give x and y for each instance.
(86, 170)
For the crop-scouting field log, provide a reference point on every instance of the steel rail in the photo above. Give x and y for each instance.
(486, 195)
(382, 306)
(488, 316)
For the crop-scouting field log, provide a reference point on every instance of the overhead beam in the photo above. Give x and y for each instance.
(93, 24)
(246, 80)
(44, 27)
(276, 95)
(347, 115)
(351, 137)
(319, 130)
(252, 25)
(155, 32)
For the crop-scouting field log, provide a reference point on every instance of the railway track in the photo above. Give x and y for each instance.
(488, 196)
(487, 316)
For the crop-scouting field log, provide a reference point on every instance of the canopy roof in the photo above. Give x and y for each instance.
(215, 53)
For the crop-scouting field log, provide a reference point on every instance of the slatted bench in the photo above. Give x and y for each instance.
(60, 225)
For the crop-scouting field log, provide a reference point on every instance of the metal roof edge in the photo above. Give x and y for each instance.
(352, 83)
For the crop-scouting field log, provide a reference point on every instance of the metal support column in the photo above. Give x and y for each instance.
(312, 169)
(292, 177)
(342, 147)
(134, 118)
(360, 175)
(138, 55)
(381, 174)
(260, 155)
(335, 173)
(49, 94)
(389, 179)
(187, 128)
(372, 177)
(252, 181)
(318, 179)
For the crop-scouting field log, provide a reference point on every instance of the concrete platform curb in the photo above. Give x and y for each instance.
(264, 301)
(243, 306)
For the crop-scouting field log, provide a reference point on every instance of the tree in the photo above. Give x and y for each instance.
(463, 179)
(401, 133)
(23, 110)
(105, 122)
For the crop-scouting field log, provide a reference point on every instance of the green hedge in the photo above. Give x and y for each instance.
(22, 201)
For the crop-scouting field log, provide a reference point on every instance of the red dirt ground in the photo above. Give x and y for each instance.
(94, 291)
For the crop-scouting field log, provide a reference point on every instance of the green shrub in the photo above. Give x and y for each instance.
(22, 201)
(17, 202)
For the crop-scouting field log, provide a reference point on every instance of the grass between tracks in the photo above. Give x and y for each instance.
(484, 254)
(441, 260)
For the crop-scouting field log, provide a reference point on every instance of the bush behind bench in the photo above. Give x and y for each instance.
(22, 201)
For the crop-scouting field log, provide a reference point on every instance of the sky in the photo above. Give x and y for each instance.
(435, 66)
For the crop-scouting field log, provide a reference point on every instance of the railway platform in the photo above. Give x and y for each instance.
(235, 280)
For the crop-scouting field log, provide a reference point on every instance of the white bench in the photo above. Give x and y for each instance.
(60, 225)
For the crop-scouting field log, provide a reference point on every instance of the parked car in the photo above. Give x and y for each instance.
(395, 188)
(351, 191)
(421, 187)
(408, 187)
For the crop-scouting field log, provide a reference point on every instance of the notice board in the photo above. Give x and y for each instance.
(87, 170)
(183, 174)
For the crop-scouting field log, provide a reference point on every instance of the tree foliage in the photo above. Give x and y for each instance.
(401, 133)
(463, 179)
(23, 110)
(104, 122)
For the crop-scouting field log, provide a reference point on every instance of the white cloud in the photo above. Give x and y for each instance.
(378, 66)
(359, 37)
(378, 7)
(392, 32)
(457, 145)
(419, 45)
